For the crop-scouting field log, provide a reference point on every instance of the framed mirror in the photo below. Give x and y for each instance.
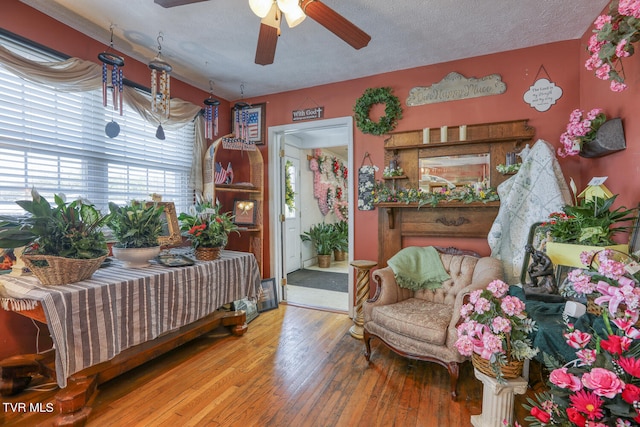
(453, 171)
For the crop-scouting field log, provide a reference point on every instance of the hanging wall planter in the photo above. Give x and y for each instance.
(609, 139)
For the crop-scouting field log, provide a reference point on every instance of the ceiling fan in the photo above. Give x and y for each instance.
(294, 11)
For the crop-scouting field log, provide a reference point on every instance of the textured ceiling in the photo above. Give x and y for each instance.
(215, 40)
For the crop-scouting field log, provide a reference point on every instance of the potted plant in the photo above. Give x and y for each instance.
(588, 226)
(64, 243)
(341, 240)
(495, 332)
(207, 228)
(136, 227)
(322, 238)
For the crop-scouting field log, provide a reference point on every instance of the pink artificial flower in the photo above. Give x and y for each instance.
(473, 296)
(512, 306)
(593, 62)
(577, 339)
(491, 344)
(466, 310)
(500, 324)
(629, 8)
(464, 345)
(630, 365)
(603, 72)
(621, 52)
(498, 288)
(482, 305)
(603, 382)
(563, 379)
(616, 86)
(601, 21)
(581, 282)
(585, 258)
(587, 356)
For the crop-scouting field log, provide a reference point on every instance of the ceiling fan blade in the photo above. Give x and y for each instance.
(336, 23)
(173, 3)
(267, 40)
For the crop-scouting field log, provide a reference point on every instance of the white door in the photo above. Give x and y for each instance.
(291, 209)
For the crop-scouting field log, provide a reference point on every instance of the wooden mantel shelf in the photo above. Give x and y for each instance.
(448, 214)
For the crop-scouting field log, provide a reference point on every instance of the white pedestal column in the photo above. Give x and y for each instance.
(497, 400)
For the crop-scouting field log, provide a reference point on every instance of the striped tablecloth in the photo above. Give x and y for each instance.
(92, 321)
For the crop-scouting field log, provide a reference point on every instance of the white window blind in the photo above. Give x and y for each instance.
(56, 142)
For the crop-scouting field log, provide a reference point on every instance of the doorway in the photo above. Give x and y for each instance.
(286, 143)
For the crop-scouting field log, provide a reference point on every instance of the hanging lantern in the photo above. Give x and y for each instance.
(160, 84)
(110, 59)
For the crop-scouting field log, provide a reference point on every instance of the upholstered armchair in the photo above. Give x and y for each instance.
(421, 324)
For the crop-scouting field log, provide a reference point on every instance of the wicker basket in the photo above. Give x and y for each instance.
(513, 368)
(592, 307)
(60, 270)
(208, 254)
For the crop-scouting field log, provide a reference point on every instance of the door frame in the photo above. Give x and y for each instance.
(275, 145)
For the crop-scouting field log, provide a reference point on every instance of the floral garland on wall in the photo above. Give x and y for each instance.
(330, 177)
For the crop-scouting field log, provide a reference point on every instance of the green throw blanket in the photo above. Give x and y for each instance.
(418, 268)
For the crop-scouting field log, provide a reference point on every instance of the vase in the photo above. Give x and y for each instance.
(609, 139)
(324, 261)
(569, 253)
(208, 254)
(135, 257)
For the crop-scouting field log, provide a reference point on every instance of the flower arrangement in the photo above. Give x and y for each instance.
(206, 226)
(389, 173)
(613, 40)
(591, 222)
(136, 224)
(495, 327)
(581, 130)
(477, 192)
(69, 230)
(601, 387)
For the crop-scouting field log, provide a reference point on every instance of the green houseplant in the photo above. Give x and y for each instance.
(589, 225)
(207, 228)
(341, 240)
(322, 237)
(136, 227)
(64, 242)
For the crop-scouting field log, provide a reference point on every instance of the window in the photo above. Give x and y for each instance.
(56, 143)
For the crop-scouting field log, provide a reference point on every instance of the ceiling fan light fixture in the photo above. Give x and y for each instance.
(294, 17)
(261, 7)
(288, 6)
(273, 18)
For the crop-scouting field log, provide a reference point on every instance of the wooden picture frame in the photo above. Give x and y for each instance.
(268, 297)
(245, 212)
(170, 235)
(256, 122)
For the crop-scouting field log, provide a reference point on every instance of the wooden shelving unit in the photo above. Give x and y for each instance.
(249, 167)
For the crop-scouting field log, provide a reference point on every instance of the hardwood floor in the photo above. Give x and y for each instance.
(293, 367)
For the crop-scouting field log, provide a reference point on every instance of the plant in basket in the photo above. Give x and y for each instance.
(55, 235)
(591, 222)
(206, 226)
(601, 387)
(495, 331)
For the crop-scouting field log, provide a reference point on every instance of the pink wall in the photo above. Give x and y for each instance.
(518, 69)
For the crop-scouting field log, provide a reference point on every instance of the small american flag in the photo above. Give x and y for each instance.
(252, 125)
(220, 175)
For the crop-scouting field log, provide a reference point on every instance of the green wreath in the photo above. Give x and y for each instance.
(392, 110)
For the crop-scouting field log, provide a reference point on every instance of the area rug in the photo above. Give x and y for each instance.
(319, 280)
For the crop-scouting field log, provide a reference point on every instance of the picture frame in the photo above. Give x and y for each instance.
(268, 297)
(249, 306)
(245, 211)
(256, 122)
(170, 235)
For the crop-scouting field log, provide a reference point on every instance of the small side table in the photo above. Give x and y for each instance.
(497, 400)
(362, 293)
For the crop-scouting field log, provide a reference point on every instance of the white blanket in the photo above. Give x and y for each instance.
(538, 189)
